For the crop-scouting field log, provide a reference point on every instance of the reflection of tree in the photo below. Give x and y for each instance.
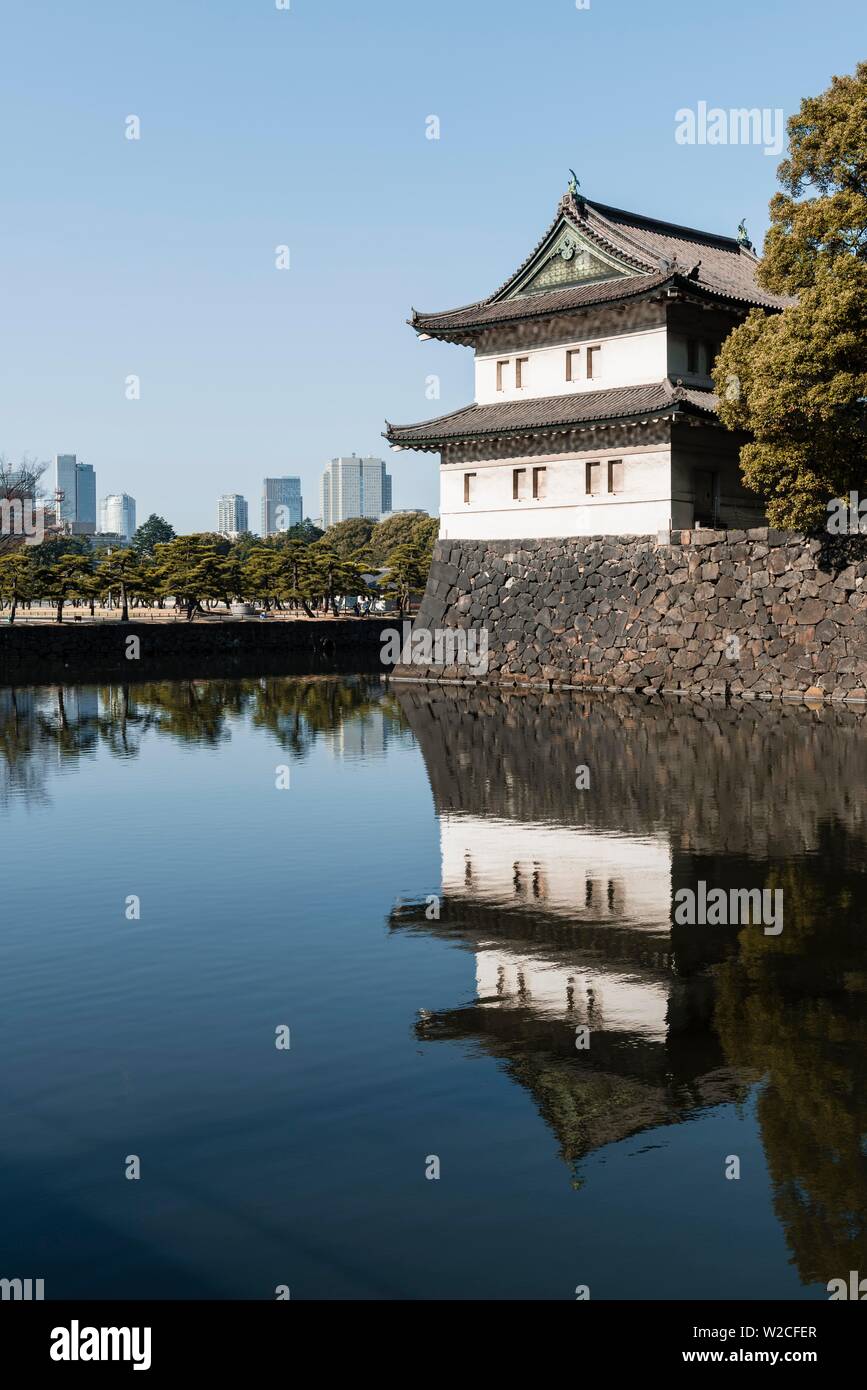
(68, 722)
(793, 1007)
(69, 732)
(21, 768)
(191, 711)
(122, 724)
(297, 712)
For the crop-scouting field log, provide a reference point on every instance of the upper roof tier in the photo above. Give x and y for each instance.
(592, 254)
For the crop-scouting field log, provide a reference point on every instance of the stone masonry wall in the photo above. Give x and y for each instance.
(70, 651)
(752, 614)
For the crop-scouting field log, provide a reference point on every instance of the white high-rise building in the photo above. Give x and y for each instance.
(232, 514)
(354, 487)
(117, 515)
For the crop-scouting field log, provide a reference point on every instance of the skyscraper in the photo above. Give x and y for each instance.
(77, 482)
(354, 487)
(232, 515)
(117, 515)
(282, 504)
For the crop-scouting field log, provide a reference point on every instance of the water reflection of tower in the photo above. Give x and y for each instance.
(17, 704)
(366, 736)
(565, 903)
(82, 705)
(561, 876)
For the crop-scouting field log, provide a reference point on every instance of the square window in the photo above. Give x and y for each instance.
(593, 354)
(469, 486)
(521, 371)
(691, 355)
(615, 475)
(573, 363)
(593, 484)
(539, 486)
(501, 367)
(519, 484)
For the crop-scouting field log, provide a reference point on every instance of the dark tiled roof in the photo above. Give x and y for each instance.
(659, 252)
(553, 412)
(528, 306)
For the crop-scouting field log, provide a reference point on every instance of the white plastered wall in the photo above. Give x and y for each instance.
(644, 506)
(631, 359)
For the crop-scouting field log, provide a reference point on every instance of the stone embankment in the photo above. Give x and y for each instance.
(751, 614)
(82, 652)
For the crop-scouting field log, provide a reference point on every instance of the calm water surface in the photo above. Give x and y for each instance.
(433, 909)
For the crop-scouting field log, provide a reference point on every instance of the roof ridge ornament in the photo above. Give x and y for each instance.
(743, 235)
(574, 185)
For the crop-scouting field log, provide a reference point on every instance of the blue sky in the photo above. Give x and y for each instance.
(306, 127)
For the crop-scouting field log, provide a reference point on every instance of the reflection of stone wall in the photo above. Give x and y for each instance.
(754, 780)
(625, 612)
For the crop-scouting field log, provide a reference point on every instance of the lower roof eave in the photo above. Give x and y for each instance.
(677, 409)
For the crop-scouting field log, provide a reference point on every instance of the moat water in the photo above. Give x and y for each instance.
(506, 1070)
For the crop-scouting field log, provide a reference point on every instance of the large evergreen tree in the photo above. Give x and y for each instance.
(153, 532)
(797, 380)
(17, 578)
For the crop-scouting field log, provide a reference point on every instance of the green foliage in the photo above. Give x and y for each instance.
(243, 544)
(304, 531)
(406, 574)
(262, 574)
(153, 532)
(17, 578)
(197, 570)
(797, 381)
(194, 569)
(346, 537)
(821, 218)
(298, 578)
(332, 574)
(69, 577)
(402, 528)
(52, 549)
(120, 571)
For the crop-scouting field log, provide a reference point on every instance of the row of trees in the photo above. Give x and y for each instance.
(202, 572)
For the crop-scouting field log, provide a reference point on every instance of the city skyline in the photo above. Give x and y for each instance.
(66, 471)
